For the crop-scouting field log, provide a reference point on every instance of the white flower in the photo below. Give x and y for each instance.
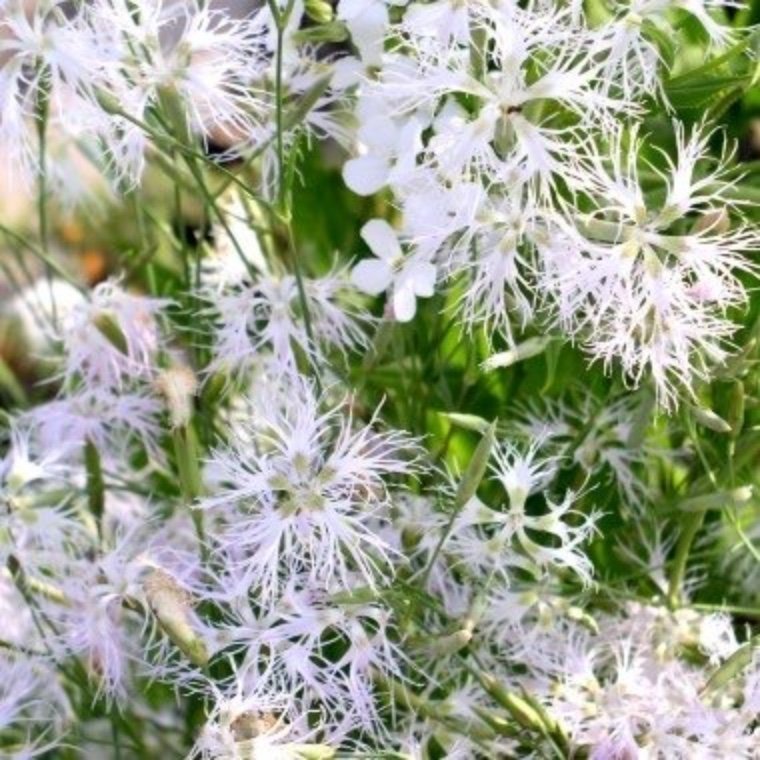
(494, 540)
(387, 150)
(593, 433)
(248, 724)
(620, 692)
(289, 649)
(190, 59)
(446, 20)
(409, 277)
(111, 421)
(38, 525)
(34, 708)
(46, 56)
(636, 285)
(237, 249)
(298, 500)
(268, 314)
(112, 338)
(367, 22)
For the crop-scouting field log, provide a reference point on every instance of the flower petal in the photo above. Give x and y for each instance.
(404, 303)
(381, 239)
(372, 276)
(422, 278)
(366, 175)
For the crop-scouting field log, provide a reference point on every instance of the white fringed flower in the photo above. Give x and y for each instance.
(638, 287)
(34, 709)
(298, 499)
(268, 315)
(494, 540)
(111, 339)
(248, 724)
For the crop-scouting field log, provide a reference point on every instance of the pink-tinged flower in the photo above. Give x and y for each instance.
(34, 709)
(634, 286)
(112, 338)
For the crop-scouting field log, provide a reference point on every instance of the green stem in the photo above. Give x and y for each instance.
(187, 453)
(466, 489)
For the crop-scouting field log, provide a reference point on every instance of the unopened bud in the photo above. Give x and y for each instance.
(476, 468)
(525, 350)
(718, 500)
(452, 643)
(707, 418)
(467, 421)
(213, 388)
(313, 751)
(171, 606)
(736, 408)
(319, 10)
(178, 386)
(582, 617)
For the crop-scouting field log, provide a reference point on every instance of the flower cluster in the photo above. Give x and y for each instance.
(509, 137)
(250, 509)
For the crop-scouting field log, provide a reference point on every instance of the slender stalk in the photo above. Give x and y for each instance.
(44, 257)
(468, 485)
(282, 204)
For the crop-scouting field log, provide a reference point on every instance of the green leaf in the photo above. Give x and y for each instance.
(733, 666)
(476, 469)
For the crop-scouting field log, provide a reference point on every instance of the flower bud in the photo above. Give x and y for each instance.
(313, 751)
(525, 350)
(476, 469)
(178, 386)
(713, 221)
(452, 643)
(707, 418)
(171, 606)
(736, 408)
(319, 11)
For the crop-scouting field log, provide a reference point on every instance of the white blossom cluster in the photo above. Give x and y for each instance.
(511, 140)
(207, 501)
